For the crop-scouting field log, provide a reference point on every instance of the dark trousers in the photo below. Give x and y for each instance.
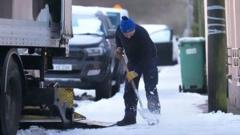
(150, 77)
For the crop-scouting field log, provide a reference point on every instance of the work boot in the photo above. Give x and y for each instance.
(127, 120)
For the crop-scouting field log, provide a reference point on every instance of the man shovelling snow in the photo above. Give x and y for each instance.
(141, 53)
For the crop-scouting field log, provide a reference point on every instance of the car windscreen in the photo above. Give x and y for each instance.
(86, 25)
(114, 18)
(161, 36)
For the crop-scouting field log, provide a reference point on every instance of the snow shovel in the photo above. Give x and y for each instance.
(150, 118)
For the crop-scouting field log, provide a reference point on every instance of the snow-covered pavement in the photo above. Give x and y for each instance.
(180, 115)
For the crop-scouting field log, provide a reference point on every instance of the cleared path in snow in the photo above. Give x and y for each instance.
(181, 114)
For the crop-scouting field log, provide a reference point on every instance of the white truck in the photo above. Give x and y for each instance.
(28, 41)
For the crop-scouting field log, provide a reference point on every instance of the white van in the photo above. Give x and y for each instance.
(166, 42)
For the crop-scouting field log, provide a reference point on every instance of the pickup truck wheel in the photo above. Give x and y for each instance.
(10, 96)
(119, 73)
(104, 89)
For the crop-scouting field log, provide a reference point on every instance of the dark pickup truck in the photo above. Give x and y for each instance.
(91, 63)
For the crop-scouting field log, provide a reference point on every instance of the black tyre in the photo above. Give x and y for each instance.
(104, 89)
(180, 88)
(174, 62)
(119, 76)
(183, 89)
(11, 95)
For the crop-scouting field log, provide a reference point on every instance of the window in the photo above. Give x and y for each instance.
(86, 25)
(114, 18)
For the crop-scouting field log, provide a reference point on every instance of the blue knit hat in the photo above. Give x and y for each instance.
(127, 25)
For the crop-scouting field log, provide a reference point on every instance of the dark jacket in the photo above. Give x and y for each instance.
(139, 49)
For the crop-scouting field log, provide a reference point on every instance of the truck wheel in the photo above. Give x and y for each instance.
(104, 89)
(116, 87)
(180, 88)
(11, 95)
(119, 74)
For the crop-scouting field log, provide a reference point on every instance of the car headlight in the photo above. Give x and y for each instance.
(96, 51)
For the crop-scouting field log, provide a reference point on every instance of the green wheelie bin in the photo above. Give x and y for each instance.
(192, 62)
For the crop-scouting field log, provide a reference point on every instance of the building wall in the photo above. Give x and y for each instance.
(233, 44)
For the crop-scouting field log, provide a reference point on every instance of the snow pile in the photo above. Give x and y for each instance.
(33, 130)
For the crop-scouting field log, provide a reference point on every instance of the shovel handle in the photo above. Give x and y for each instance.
(125, 59)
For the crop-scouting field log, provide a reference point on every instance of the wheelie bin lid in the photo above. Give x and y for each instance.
(191, 39)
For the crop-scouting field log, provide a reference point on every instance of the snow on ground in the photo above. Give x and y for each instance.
(180, 115)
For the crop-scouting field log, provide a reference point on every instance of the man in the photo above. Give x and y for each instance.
(141, 54)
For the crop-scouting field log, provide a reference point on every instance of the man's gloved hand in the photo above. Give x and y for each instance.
(131, 75)
(119, 53)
